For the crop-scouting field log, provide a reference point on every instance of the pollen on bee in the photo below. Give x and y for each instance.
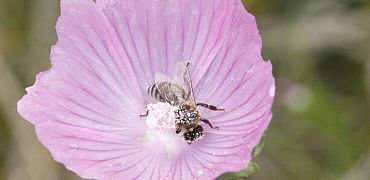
(161, 118)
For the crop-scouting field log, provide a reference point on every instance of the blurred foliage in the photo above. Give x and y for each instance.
(320, 50)
(252, 169)
(320, 53)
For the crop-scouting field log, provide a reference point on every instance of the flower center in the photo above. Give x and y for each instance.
(161, 122)
(161, 118)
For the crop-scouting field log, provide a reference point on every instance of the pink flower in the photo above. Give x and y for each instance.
(86, 107)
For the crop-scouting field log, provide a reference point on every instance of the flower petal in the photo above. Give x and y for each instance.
(90, 83)
(156, 34)
(216, 154)
(88, 47)
(246, 100)
(238, 80)
(86, 107)
(93, 154)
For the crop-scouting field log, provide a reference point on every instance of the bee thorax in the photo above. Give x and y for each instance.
(187, 117)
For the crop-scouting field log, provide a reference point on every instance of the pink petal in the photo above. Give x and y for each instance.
(156, 34)
(85, 108)
(89, 49)
(95, 154)
(90, 84)
(238, 80)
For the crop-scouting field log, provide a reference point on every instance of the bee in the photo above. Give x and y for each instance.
(179, 93)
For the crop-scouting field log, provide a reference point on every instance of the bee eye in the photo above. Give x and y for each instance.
(188, 136)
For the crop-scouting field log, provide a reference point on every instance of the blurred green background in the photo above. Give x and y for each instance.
(320, 50)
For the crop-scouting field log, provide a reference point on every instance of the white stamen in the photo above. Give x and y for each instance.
(161, 122)
(161, 118)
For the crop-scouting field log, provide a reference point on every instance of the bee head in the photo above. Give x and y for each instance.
(196, 133)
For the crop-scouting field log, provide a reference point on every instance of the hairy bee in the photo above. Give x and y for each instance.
(179, 93)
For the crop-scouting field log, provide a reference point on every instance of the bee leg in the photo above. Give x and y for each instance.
(187, 64)
(210, 125)
(211, 107)
(144, 115)
(178, 131)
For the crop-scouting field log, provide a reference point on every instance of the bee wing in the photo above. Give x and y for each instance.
(168, 89)
(183, 78)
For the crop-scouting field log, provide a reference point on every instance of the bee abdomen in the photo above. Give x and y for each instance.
(153, 91)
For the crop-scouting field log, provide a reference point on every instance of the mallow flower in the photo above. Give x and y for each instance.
(86, 109)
